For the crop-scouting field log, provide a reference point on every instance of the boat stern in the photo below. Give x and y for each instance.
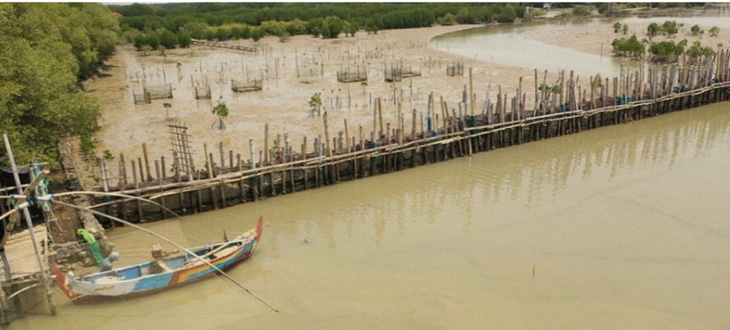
(64, 282)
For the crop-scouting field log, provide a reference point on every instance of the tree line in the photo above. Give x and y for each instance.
(175, 24)
(46, 49)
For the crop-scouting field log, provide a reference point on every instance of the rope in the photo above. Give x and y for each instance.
(176, 245)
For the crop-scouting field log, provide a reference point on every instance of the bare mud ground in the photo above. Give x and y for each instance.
(292, 72)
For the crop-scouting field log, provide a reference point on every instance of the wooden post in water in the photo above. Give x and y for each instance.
(545, 101)
(444, 112)
(571, 95)
(162, 161)
(362, 138)
(640, 79)
(537, 95)
(347, 138)
(413, 125)
(593, 87)
(380, 118)
(373, 140)
(251, 153)
(157, 171)
(562, 89)
(212, 188)
(176, 165)
(266, 143)
(136, 186)
(400, 116)
(211, 166)
(208, 161)
(327, 136)
(220, 150)
(387, 133)
(124, 169)
(141, 173)
(146, 162)
(471, 91)
(501, 105)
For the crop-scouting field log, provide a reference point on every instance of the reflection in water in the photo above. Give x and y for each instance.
(623, 226)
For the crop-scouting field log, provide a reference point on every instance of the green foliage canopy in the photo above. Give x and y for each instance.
(628, 46)
(667, 51)
(45, 49)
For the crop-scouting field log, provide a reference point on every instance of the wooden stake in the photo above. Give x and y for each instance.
(146, 162)
(220, 150)
(251, 153)
(471, 91)
(141, 174)
(163, 168)
(380, 117)
(327, 136)
(210, 165)
(266, 143)
(413, 125)
(124, 168)
(157, 171)
(347, 138)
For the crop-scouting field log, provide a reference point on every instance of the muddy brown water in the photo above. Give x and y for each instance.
(620, 227)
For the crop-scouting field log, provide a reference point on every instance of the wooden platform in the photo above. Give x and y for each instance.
(18, 260)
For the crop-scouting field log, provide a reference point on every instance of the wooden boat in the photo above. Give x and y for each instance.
(159, 274)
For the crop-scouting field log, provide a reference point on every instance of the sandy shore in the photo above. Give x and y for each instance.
(292, 72)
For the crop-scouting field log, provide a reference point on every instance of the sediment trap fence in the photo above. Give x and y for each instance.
(202, 92)
(562, 109)
(352, 75)
(399, 71)
(455, 69)
(246, 86)
(153, 92)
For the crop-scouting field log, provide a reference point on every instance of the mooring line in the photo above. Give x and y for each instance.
(173, 243)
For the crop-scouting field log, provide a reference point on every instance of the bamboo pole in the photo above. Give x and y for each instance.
(251, 154)
(266, 143)
(327, 136)
(28, 221)
(208, 162)
(373, 140)
(380, 118)
(141, 174)
(162, 167)
(146, 163)
(537, 98)
(157, 171)
(413, 124)
(221, 152)
(471, 91)
(347, 137)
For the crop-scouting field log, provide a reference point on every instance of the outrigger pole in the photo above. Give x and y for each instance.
(171, 242)
(50, 198)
